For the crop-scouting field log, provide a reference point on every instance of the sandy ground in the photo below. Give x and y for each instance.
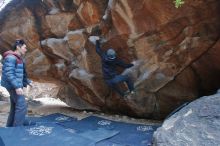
(45, 106)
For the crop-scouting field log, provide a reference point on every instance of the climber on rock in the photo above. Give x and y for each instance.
(109, 64)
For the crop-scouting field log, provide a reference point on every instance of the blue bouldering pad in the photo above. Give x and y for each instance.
(89, 130)
(61, 130)
(1, 142)
(91, 133)
(45, 130)
(46, 135)
(98, 134)
(129, 134)
(52, 118)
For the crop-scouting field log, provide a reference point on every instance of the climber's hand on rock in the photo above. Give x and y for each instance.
(93, 39)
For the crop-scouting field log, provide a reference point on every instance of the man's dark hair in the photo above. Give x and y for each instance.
(18, 43)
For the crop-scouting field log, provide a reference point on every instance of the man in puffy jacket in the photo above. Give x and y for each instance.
(14, 78)
(109, 64)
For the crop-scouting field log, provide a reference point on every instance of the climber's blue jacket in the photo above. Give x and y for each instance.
(109, 65)
(13, 71)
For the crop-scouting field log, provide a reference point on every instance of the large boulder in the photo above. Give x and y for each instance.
(195, 124)
(4, 95)
(173, 49)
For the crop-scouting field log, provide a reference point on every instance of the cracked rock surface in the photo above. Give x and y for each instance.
(195, 124)
(178, 50)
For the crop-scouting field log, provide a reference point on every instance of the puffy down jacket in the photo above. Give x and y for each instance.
(13, 71)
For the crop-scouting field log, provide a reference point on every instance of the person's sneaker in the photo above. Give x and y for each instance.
(125, 97)
(126, 94)
(132, 92)
(102, 40)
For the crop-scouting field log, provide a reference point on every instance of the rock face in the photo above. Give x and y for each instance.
(175, 50)
(196, 124)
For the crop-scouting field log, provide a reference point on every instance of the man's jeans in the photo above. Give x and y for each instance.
(113, 83)
(18, 109)
(1, 142)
